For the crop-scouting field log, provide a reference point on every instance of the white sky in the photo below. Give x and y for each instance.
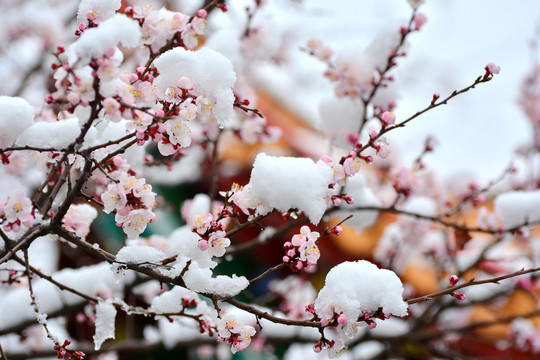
(478, 131)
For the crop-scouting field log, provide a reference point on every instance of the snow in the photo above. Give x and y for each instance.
(16, 115)
(200, 280)
(184, 242)
(58, 134)
(518, 207)
(139, 254)
(186, 170)
(392, 327)
(105, 318)
(339, 117)
(170, 301)
(422, 205)
(95, 42)
(99, 9)
(284, 183)
(88, 280)
(211, 72)
(362, 196)
(352, 287)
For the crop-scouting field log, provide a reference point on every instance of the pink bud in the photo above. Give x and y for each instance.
(203, 245)
(349, 200)
(459, 296)
(388, 118)
(453, 280)
(326, 159)
(286, 259)
(202, 13)
(185, 83)
(403, 30)
(342, 319)
(336, 230)
(353, 138)
(436, 96)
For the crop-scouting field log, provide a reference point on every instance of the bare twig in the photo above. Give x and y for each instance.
(472, 282)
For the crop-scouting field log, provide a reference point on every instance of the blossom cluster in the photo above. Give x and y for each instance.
(139, 83)
(133, 200)
(302, 251)
(213, 237)
(234, 333)
(17, 211)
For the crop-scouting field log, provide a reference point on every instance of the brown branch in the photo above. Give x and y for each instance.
(270, 270)
(2, 353)
(390, 63)
(89, 150)
(33, 301)
(248, 245)
(472, 282)
(54, 282)
(246, 109)
(431, 106)
(437, 219)
(32, 234)
(28, 148)
(118, 151)
(272, 318)
(486, 188)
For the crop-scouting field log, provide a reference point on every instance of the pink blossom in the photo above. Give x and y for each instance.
(179, 132)
(134, 223)
(111, 108)
(319, 49)
(188, 110)
(190, 39)
(16, 210)
(177, 23)
(78, 219)
(309, 252)
(198, 24)
(492, 68)
(166, 148)
(234, 333)
(201, 223)
(218, 243)
(351, 165)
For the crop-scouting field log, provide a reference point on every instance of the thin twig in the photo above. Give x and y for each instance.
(472, 282)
